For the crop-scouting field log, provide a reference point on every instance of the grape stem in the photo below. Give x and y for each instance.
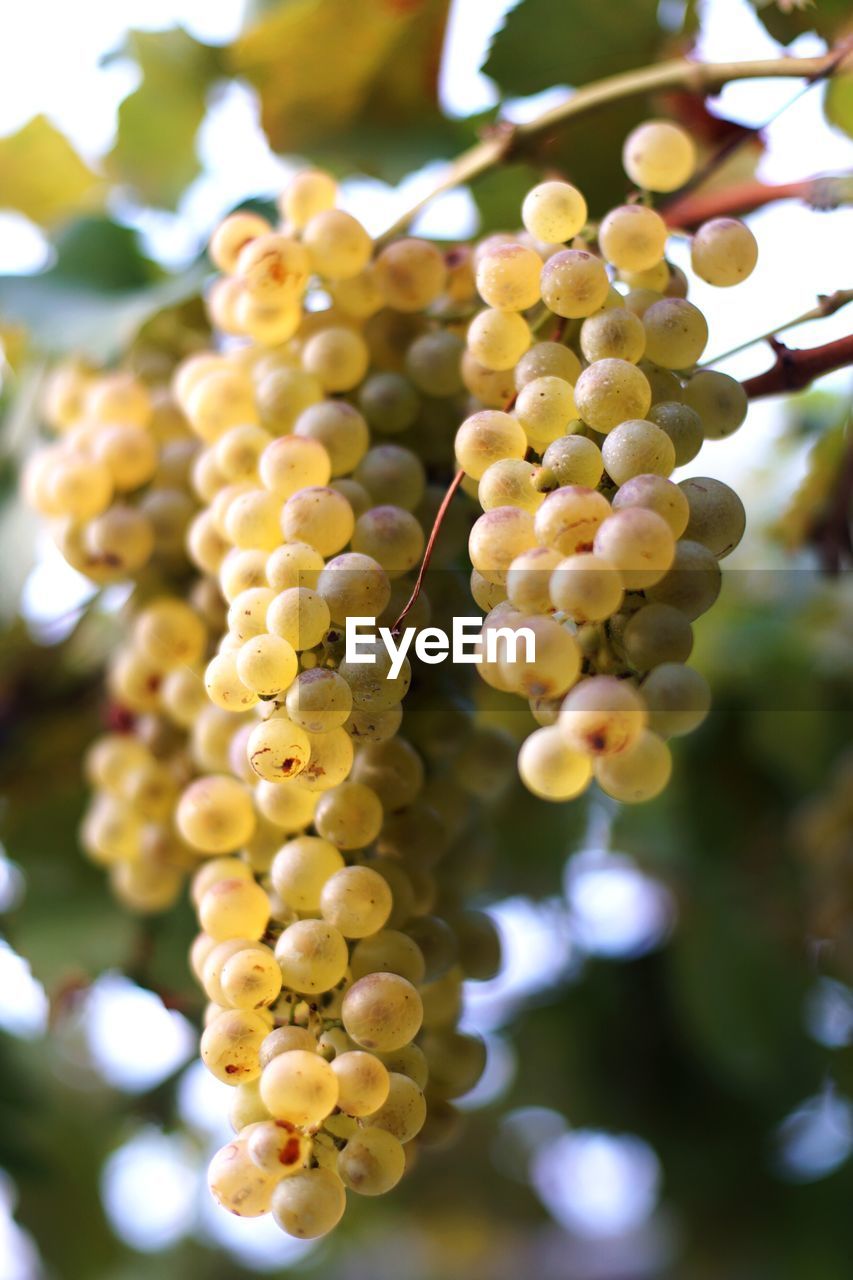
(827, 305)
(793, 370)
(504, 140)
(427, 556)
(828, 191)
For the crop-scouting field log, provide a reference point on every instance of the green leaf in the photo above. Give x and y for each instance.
(838, 103)
(42, 176)
(354, 81)
(548, 42)
(154, 152)
(787, 19)
(97, 294)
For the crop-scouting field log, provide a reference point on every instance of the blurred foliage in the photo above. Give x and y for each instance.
(700, 1047)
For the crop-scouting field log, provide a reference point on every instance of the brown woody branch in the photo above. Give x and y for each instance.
(696, 207)
(794, 370)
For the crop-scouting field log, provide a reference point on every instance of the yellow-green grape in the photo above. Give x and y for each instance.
(510, 483)
(382, 1011)
(656, 633)
(210, 739)
(310, 1204)
(224, 687)
(528, 577)
(433, 363)
(676, 334)
(223, 398)
(574, 283)
(352, 583)
(238, 451)
(637, 774)
(151, 790)
(144, 887)
(134, 681)
(498, 536)
(355, 494)
(273, 268)
(572, 461)
(373, 688)
(312, 955)
(602, 716)
(300, 616)
(720, 402)
(299, 1087)
(291, 463)
(372, 1162)
(253, 520)
(657, 494)
(251, 979)
(692, 583)
(231, 237)
(569, 517)
(215, 962)
(129, 454)
(319, 516)
(287, 804)
(319, 700)
(230, 1044)
(295, 564)
(639, 543)
(363, 1082)
(545, 408)
(665, 385)
(267, 664)
(237, 1184)
(282, 394)
(586, 588)
(637, 447)
(247, 613)
(393, 769)
(683, 426)
(547, 360)
(723, 252)
(659, 156)
(551, 769)
(191, 371)
(403, 1113)
(330, 762)
(409, 1061)
(410, 274)
(616, 334)
(493, 388)
(554, 212)
(111, 757)
(498, 339)
(308, 193)
(654, 279)
(356, 900)
(246, 1106)
(391, 474)
(278, 749)
(553, 668)
(389, 402)
(78, 486)
(389, 951)
(121, 540)
(487, 437)
(283, 1039)
(717, 518)
(678, 699)
(234, 909)
(486, 595)
(456, 1062)
(301, 868)
(339, 246)
(340, 429)
(277, 1148)
(215, 814)
(216, 869)
(206, 546)
(632, 237)
(242, 570)
(612, 391)
(349, 815)
(111, 831)
(118, 397)
(508, 277)
(391, 537)
(170, 633)
(337, 357)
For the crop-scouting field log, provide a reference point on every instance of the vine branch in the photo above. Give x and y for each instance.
(505, 140)
(691, 210)
(794, 370)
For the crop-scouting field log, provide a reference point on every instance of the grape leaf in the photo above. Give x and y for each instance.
(328, 70)
(42, 176)
(547, 42)
(787, 19)
(838, 103)
(154, 152)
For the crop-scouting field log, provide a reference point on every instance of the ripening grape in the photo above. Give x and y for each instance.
(723, 252)
(545, 408)
(639, 543)
(356, 900)
(232, 235)
(337, 357)
(585, 587)
(720, 402)
(552, 769)
(602, 716)
(547, 360)
(363, 1082)
(692, 583)
(638, 773)
(277, 749)
(487, 437)
(656, 633)
(510, 483)
(312, 956)
(498, 536)
(573, 460)
(569, 517)
(319, 516)
(349, 815)
(215, 815)
(612, 391)
(319, 700)
(676, 333)
(528, 579)
(309, 192)
(717, 518)
(299, 616)
(382, 1011)
(508, 277)
(497, 339)
(554, 212)
(637, 447)
(632, 237)
(410, 274)
(659, 156)
(551, 670)
(338, 244)
(574, 283)
(299, 1087)
(683, 426)
(266, 664)
(372, 1162)
(310, 1204)
(678, 699)
(230, 1045)
(389, 402)
(657, 494)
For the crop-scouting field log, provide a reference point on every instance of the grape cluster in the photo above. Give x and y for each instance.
(288, 488)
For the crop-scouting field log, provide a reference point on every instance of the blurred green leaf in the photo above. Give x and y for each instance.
(154, 152)
(785, 20)
(42, 176)
(838, 103)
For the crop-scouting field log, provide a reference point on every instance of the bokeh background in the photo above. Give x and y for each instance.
(669, 1089)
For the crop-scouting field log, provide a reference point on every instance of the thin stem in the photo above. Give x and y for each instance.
(796, 370)
(827, 305)
(431, 541)
(505, 140)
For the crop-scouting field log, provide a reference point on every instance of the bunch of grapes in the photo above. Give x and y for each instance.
(334, 858)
